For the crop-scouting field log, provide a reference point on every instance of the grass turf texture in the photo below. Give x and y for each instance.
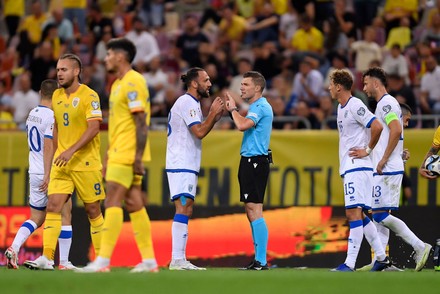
(218, 280)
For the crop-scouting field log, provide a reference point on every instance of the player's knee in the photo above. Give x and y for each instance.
(93, 210)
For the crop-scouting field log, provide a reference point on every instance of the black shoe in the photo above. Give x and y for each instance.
(381, 265)
(255, 265)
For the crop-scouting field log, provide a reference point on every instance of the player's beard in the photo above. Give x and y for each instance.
(203, 93)
(67, 83)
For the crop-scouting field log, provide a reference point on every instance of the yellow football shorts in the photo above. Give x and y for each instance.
(122, 174)
(88, 184)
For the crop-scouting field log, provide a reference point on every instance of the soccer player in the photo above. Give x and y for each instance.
(359, 132)
(186, 129)
(406, 185)
(129, 118)
(387, 160)
(435, 147)
(77, 165)
(254, 164)
(39, 126)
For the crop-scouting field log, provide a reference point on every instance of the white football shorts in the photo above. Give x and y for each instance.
(386, 191)
(37, 199)
(358, 187)
(182, 184)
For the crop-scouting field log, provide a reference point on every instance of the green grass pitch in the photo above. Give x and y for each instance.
(219, 280)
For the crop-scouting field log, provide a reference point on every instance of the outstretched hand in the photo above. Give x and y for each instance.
(230, 102)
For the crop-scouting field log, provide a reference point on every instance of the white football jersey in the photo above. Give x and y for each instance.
(184, 149)
(39, 125)
(386, 105)
(354, 120)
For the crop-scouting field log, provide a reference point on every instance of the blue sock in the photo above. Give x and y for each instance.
(260, 236)
(253, 238)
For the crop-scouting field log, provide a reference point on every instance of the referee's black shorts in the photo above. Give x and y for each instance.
(252, 176)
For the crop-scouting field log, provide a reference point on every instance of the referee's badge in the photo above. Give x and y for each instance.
(75, 102)
(190, 188)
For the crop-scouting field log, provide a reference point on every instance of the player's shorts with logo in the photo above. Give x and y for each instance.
(37, 198)
(252, 176)
(386, 191)
(87, 184)
(122, 174)
(182, 184)
(358, 189)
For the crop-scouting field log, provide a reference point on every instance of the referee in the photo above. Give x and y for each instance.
(255, 158)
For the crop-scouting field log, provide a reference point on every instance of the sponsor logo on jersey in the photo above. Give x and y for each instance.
(192, 112)
(75, 102)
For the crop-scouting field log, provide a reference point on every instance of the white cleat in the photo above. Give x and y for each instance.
(184, 265)
(41, 263)
(393, 268)
(422, 257)
(12, 259)
(144, 267)
(366, 268)
(94, 267)
(67, 266)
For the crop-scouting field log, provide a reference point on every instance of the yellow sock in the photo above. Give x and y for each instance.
(114, 218)
(52, 230)
(96, 226)
(142, 233)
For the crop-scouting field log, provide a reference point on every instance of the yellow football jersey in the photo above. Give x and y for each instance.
(71, 116)
(128, 95)
(436, 140)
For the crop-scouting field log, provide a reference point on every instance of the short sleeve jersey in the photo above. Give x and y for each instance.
(184, 149)
(39, 125)
(71, 116)
(436, 140)
(388, 107)
(128, 95)
(354, 120)
(256, 140)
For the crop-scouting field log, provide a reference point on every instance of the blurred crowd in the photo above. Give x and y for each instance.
(293, 43)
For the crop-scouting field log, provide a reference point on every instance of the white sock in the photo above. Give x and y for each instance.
(354, 243)
(401, 229)
(26, 229)
(384, 235)
(64, 242)
(373, 238)
(180, 237)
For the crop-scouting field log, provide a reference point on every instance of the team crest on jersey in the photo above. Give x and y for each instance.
(95, 105)
(386, 108)
(190, 188)
(361, 111)
(192, 112)
(132, 95)
(75, 102)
